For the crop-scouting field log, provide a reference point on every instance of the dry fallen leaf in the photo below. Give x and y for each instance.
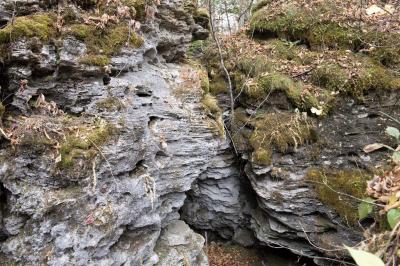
(373, 147)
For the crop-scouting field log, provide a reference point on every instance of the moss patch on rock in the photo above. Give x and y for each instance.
(103, 43)
(110, 104)
(366, 76)
(94, 60)
(292, 24)
(297, 92)
(281, 131)
(41, 26)
(349, 181)
(108, 41)
(211, 104)
(84, 143)
(2, 110)
(323, 25)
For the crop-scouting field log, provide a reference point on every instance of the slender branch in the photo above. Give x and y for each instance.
(227, 16)
(391, 117)
(210, 6)
(230, 137)
(345, 194)
(248, 8)
(251, 116)
(296, 251)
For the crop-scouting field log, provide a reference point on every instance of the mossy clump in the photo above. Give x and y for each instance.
(365, 74)
(291, 24)
(281, 131)
(210, 103)
(262, 156)
(41, 26)
(2, 111)
(94, 60)
(349, 181)
(296, 92)
(333, 36)
(202, 18)
(254, 66)
(217, 85)
(330, 76)
(84, 143)
(110, 104)
(204, 81)
(285, 50)
(386, 49)
(110, 41)
(196, 48)
(81, 31)
(103, 43)
(373, 77)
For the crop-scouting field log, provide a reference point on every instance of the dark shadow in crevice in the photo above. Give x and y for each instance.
(3, 208)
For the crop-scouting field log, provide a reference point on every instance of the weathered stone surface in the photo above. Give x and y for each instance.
(218, 200)
(111, 209)
(179, 245)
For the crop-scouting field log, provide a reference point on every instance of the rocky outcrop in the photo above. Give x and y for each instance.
(103, 195)
(220, 199)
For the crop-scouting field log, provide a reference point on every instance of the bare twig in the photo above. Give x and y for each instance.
(390, 117)
(295, 251)
(210, 6)
(4, 134)
(244, 84)
(94, 183)
(230, 137)
(254, 112)
(247, 9)
(345, 194)
(317, 247)
(104, 157)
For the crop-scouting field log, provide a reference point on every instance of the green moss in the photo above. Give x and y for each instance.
(195, 48)
(41, 26)
(69, 15)
(204, 81)
(331, 35)
(348, 181)
(372, 77)
(281, 131)
(386, 47)
(218, 85)
(137, 7)
(81, 31)
(202, 18)
(254, 66)
(110, 41)
(293, 24)
(294, 91)
(103, 43)
(84, 143)
(94, 60)
(330, 76)
(211, 104)
(285, 50)
(262, 156)
(2, 110)
(110, 103)
(106, 41)
(202, 12)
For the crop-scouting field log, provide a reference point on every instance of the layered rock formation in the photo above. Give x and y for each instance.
(91, 174)
(95, 174)
(305, 109)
